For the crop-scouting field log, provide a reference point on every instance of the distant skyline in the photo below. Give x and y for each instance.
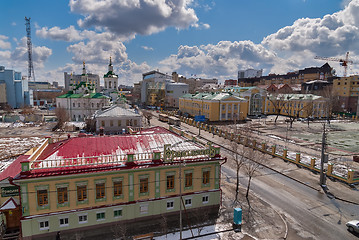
(206, 38)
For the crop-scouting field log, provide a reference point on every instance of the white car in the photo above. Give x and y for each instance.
(353, 226)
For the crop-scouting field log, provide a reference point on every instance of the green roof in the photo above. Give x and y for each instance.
(83, 95)
(210, 96)
(110, 74)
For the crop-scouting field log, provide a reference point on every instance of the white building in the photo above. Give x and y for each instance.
(111, 79)
(250, 73)
(82, 105)
(117, 119)
(173, 92)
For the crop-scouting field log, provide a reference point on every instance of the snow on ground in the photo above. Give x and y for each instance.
(187, 234)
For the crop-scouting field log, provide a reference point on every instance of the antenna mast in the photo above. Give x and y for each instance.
(29, 50)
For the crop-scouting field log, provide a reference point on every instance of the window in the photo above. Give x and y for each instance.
(188, 179)
(78, 104)
(44, 225)
(117, 188)
(205, 199)
(92, 105)
(64, 222)
(135, 123)
(81, 193)
(100, 190)
(62, 195)
(119, 123)
(42, 197)
(73, 104)
(188, 202)
(82, 218)
(111, 123)
(117, 213)
(170, 204)
(170, 182)
(144, 185)
(205, 177)
(102, 123)
(100, 216)
(144, 209)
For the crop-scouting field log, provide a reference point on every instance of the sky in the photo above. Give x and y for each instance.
(202, 38)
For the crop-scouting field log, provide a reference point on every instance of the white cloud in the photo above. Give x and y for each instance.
(222, 60)
(4, 44)
(69, 34)
(147, 48)
(122, 16)
(331, 35)
(13, 24)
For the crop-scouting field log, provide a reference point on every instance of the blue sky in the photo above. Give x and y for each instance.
(206, 38)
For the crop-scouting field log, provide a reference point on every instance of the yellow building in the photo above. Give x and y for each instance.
(95, 185)
(347, 88)
(297, 105)
(214, 106)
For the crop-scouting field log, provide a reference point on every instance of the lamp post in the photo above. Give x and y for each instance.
(323, 159)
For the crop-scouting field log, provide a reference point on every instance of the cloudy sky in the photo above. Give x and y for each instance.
(206, 38)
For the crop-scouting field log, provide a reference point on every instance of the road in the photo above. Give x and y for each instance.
(310, 214)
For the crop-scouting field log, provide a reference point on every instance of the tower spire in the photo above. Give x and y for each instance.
(110, 67)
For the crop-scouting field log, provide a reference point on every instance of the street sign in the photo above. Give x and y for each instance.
(200, 118)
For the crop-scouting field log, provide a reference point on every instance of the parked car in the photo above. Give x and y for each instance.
(353, 226)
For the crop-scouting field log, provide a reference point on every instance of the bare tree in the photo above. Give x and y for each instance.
(164, 224)
(27, 110)
(119, 231)
(62, 117)
(202, 216)
(239, 158)
(147, 115)
(332, 101)
(254, 159)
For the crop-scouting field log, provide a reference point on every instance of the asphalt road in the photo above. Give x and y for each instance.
(309, 213)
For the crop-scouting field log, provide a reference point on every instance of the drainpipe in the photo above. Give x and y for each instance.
(220, 173)
(11, 181)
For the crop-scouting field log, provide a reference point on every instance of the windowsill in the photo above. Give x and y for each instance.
(83, 202)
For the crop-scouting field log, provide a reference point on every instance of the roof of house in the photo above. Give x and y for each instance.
(70, 94)
(116, 111)
(211, 96)
(292, 97)
(108, 153)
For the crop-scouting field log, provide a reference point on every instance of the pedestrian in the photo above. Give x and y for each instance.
(58, 237)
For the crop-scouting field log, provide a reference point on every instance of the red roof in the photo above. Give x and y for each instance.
(14, 168)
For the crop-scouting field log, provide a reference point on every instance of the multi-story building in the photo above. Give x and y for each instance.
(194, 84)
(347, 88)
(297, 105)
(231, 82)
(314, 73)
(95, 186)
(158, 89)
(17, 88)
(255, 96)
(250, 73)
(71, 80)
(214, 106)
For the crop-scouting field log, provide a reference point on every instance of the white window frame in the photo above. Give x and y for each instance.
(82, 215)
(171, 202)
(188, 204)
(144, 209)
(117, 209)
(64, 224)
(101, 219)
(205, 199)
(44, 227)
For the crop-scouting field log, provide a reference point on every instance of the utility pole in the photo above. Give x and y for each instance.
(323, 159)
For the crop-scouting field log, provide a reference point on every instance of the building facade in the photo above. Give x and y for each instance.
(250, 73)
(214, 106)
(297, 105)
(116, 119)
(17, 88)
(94, 185)
(347, 88)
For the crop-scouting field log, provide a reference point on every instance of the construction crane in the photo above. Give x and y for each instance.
(343, 62)
(29, 50)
